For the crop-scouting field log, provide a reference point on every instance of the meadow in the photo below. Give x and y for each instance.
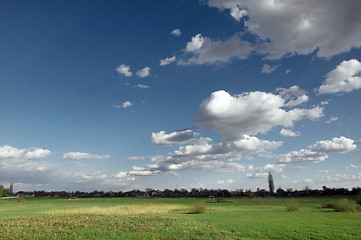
(147, 218)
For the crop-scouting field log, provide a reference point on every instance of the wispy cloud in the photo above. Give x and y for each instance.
(266, 68)
(83, 156)
(167, 61)
(176, 32)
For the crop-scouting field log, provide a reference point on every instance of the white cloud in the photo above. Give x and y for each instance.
(167, 61)
(176, 32)
(178, 137)
(352, 166)
(302, 26)
(204, 156)
(289, 133)
(30, 171)
(12, 155)
(319, 151)
(234, 6)
(125, 70)
(195, 44)
(262, 172)
(287, 71)
(249, 113)
(266, 68)
(308, 181)
(293, 95)
(83, 156)
(284, 176)
(257, 175)
(341, 145)
(135, 158)
(225, 150)
(342, 177)
(203, 50)
(140, 171)
(121, 175)
(126, 104)
(223, 182)
(145, 72)
(332, 119)
(271, 168)
(344, 78)
(141, 86)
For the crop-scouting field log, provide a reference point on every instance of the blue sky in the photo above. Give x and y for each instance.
(118, 95)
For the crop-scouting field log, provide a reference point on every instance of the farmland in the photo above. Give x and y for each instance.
(146, 218)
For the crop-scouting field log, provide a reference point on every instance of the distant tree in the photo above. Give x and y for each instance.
(271, 184)
(3, 192)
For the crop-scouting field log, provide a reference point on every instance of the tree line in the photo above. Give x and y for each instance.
(194, 192)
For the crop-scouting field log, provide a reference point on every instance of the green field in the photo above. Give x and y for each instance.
(144, 218)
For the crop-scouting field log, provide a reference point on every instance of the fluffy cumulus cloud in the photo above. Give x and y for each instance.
(204, 50)
(249, 113)
(319, 151)
(178, 137)
(302, 26)
(207, 156)
(176, 32)
(167, 61)
(10, 155)
(204, 150)
(124, 70)
(344, 78)
(145, 72)
(289, 133)
(83, 156)
(266, 68)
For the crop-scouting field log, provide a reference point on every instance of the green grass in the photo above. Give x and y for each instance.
(169, 219)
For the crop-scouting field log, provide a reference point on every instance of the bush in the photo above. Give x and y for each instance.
(358, 199)
(292, 205)
(326, 205)
(345, 205)
(198, 208)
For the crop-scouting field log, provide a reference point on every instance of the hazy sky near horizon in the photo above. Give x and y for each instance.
(136, 94)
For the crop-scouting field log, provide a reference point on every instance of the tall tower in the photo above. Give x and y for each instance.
(271, 184)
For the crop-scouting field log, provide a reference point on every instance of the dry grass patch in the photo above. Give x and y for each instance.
(121, 209)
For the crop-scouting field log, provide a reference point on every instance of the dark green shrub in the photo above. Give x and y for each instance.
(358, 199)
(292, 205)
(198, 208)
(345, 205)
